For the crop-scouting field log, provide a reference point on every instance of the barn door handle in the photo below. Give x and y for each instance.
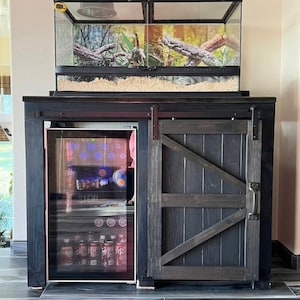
(254, 187)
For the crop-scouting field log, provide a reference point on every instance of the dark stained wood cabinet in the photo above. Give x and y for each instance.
(204, 181)
(202, 200)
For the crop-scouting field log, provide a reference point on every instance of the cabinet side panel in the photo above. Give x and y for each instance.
(35, 179)
(268, 112)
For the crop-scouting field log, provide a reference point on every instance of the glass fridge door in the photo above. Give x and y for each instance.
(90, 206)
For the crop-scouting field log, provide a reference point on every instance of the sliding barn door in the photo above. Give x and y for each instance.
(204, 199)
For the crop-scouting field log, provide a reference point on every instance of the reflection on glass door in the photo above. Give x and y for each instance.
(90, 212)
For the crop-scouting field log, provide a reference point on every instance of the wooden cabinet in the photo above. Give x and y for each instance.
(204, 181)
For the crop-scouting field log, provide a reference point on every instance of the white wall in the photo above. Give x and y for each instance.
(289, 164)
(261, 47)
(261, 67)
(32, 54)
(33, 68)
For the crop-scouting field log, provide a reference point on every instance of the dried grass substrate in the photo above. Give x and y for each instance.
(145, 84)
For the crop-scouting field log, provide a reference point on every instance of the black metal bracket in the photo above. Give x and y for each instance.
(154, 122)
(255, 116)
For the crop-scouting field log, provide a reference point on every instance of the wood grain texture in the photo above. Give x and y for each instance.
(35, 183)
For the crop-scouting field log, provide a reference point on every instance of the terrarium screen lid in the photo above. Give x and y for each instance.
(190, 10)
(151, 11)
(92, 11)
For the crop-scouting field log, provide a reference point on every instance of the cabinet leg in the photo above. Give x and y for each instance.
(145, 283)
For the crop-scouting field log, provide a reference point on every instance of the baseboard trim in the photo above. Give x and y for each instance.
(284, 253)
(18, 247)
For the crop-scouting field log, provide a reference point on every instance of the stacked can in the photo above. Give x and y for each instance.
(83, 253)
(94, 253)
(66, 253)
(121, 251)
(108, 254)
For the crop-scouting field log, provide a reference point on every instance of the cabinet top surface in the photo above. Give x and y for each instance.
(144, 98)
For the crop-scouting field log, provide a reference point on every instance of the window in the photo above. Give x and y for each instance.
(6, 197)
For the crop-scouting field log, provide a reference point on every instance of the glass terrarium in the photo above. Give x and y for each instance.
(148, 45)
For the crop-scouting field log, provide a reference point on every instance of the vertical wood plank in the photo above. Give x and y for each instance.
(141, 198)
(154, 207)
(253, 226)
(232, 244)
(173, 170)
(35, 193)
(212, 147)
(193, 216)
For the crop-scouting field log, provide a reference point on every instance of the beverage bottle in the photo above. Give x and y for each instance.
(108, 254)
(101, 245)
(121, 252)
(76, 253)
(66, 253)
(90, 237)
(113, 238)
(69, 188)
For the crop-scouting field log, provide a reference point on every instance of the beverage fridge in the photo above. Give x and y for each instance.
(90, 209)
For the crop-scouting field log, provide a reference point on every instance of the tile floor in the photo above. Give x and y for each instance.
(13, 285)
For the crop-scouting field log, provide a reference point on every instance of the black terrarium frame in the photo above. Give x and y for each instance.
(201, 53)
(148, 9)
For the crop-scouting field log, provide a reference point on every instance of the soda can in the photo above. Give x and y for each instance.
(94, 251)
(66, 253)
(121, 257)
(108, 257)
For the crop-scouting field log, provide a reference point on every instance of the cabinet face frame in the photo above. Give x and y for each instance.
(170, 262)
(137, 107)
